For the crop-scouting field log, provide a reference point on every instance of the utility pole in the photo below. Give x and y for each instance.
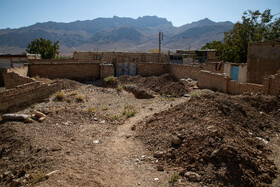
(160, 38)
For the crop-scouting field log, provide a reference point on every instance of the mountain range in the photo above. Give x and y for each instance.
(121, 34)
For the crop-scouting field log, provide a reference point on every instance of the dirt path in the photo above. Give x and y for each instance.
(124, 160)
(118, 159)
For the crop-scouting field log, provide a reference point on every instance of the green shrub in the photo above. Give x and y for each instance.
(110, 79)
(174, 177)
(196, 94)
(120, 88)
(129, 111)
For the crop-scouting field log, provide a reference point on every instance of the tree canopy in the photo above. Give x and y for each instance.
(255, 26)
(45, 48)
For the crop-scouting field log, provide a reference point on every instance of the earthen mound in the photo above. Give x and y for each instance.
(216, 139)
(164, 85)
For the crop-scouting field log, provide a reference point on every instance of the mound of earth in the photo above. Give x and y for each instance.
(165, 84)
(70, 84)
(216, 139)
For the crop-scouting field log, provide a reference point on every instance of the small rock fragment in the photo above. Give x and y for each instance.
(160, 168)
(39, 114)
(41, 119)
(192, 176)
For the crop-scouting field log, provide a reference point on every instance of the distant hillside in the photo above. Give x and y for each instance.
(122, 34)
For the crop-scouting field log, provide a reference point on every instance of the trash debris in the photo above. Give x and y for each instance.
(96, 141)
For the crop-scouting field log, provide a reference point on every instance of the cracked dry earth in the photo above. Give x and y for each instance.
(83, 144)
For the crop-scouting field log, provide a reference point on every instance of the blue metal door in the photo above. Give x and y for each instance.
(235, 73)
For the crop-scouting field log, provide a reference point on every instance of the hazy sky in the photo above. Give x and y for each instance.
(19, 13)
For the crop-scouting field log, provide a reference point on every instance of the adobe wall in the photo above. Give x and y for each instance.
(21, 96)
(106, 70)
(185, 71)
(103, 57)
(240, 88)
(212, 81)
(150, 69)
(64, 69)
(223, 83)
(12, 80)
(271, 85)
(215, 67)
(263, 60)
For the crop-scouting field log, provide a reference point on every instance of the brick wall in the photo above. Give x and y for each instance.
(12, 80)
(220, 82)
(127, 57)
(239, 88)
(149, 69)
(106, 70)
(271, 85)
(184, 71)
(263, 60)
(214, 67)
(212, 81)
(21, 96)
(64, 69)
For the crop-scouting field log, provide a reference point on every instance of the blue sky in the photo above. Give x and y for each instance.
(19, 13)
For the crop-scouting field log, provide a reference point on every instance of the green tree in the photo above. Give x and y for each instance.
(255, 26)
(45, 48)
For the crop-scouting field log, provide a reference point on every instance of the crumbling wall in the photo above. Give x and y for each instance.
(149, 69)
(216, 67)
(12, 79)
(64, 69)
(185, 71)
(271, 85)
(22, 71)
(106, 70)
(212, 81)
(21, 96)
(263, 60)
(240, 88)
(223, 83)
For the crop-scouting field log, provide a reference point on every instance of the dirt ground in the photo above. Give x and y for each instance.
(103, 136)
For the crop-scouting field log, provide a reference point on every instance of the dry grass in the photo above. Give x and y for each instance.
(105, 107)
(129, 111)
(80, 98)
(92, 109)
(59, 96)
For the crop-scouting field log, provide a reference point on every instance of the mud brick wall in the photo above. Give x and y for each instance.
(21, 96)
(184, 71)
(106, 70)
(240, 88)
(271, 85)
(64, 69)
(263, 60)
(12, 79)
(150, 69)
(214, 67)
(125, 56)
(220, 82)
(212, 81)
